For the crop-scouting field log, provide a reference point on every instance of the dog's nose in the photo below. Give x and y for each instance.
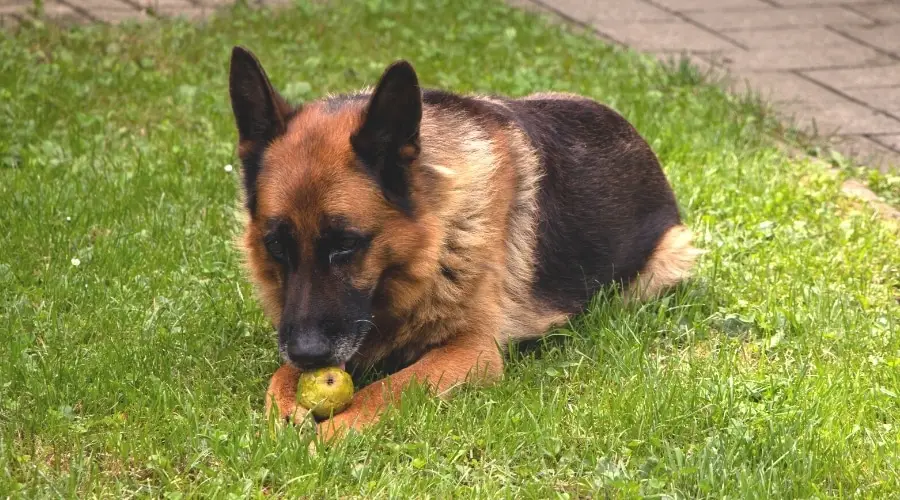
(310, 349)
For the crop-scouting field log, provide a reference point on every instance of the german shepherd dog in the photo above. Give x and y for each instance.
(426, 230)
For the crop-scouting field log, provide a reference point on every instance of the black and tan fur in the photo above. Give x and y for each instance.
(428, 229)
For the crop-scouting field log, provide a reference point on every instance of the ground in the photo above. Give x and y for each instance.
(135, 357)
(831, 67)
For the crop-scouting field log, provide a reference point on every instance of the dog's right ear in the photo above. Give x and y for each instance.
(387, 142)
(260, 114)
(258, 110)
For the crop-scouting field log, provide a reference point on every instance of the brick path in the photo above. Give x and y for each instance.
(831, 65)
(112, 11)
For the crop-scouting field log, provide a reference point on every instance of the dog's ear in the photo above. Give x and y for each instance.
(388, 141)
(260, 114)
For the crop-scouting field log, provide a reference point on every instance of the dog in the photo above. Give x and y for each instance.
(426, 230)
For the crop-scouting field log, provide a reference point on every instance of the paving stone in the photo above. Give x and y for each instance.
(118, 16)
(60, 13)
(849, 54)
(854, 78)
(176, 8)
(164, 4)
(885, 37)
(886, 98)
(15, 5)
(112, 11)
(525, 5)
(892, 140)
(545, 7)
(582, 11)
(777, 18)
(867, 152)
(633, 11)
(691, 5)
(797, 3)
(881, 12)
(678, 35)
(104, 4)
(8, 21)
(588, 11)
(856, 189)
(812, 36)
(842, 118)
(190, 13)
(783, 87)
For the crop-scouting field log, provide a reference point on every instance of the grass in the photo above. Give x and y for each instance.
(140, 367)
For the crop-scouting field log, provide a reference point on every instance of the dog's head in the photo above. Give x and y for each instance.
(332, 204)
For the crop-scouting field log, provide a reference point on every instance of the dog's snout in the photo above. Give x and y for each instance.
(309, 349)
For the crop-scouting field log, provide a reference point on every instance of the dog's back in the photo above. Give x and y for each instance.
(604, 201)
(594, 203)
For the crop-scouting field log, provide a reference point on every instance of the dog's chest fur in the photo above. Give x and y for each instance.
(478, 180)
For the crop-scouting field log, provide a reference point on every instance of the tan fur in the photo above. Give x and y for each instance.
(282, 391)
(454, 175)
(556, 95)
(670, 264)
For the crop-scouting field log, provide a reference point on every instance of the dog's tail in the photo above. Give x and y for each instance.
(671, 263)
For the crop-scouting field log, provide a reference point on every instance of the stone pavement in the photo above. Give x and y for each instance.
(831, 66)
(13, 12)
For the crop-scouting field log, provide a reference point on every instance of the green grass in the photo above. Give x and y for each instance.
(141, 370)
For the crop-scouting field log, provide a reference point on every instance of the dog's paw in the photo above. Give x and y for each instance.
(352, 419)
(289, 414)
(335, 427)
(281, 396)
(281, 413)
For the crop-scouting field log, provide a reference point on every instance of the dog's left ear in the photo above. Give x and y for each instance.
(388, 140)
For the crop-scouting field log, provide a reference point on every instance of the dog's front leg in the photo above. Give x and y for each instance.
(473, 358)
(282, 392)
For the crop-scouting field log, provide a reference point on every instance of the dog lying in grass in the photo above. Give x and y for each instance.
(427, 230)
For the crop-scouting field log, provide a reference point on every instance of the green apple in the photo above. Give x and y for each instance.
(326, 391)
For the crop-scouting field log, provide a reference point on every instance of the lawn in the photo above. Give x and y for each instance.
(134, 357)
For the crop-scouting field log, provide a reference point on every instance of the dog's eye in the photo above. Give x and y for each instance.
(344, 248)
(347, 244)
(275, 247)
